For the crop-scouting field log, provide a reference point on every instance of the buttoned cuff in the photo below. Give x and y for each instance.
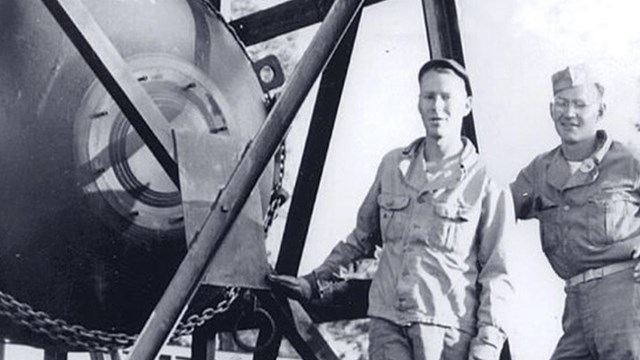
(312, 279)
(325, 289)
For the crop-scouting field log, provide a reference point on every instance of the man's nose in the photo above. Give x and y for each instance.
(571, 110)
(438, 103)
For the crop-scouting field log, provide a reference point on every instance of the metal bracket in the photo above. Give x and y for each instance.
(269, 72)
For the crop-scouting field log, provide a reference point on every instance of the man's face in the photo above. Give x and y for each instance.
(443, 103)
(576, 112)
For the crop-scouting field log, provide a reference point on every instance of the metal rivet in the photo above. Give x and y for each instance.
(267, 74)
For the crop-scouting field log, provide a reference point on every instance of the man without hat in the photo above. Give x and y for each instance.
(442, 288)
(586, 195)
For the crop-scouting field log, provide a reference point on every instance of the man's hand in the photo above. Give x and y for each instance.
(480, 351)
(487, 344)
(297, 288)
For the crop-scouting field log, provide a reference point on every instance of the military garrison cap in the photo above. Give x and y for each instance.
(572, 76)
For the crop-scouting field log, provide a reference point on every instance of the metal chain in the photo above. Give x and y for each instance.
(57, 329)
(187, 327)
(78, 337)
(278, 195)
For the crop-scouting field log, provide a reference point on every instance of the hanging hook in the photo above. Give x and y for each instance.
(255, 313)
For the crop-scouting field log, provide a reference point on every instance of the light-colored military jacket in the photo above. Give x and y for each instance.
(443, 260)
(587, 219)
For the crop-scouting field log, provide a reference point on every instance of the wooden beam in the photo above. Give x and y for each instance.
(55, 354)
(296, 325)
(311, 167)
(281, 19)
(203, 344)
(233, 197)
(443, 34)
(315, 153)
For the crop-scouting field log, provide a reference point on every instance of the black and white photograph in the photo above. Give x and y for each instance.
(319, 179)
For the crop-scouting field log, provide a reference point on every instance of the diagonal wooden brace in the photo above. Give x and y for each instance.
(231, 200)
(297, 326)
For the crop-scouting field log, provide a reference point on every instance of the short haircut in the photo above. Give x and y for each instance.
(443, 65)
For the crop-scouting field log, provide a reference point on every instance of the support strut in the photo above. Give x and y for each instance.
(443, 33)
(232, 198)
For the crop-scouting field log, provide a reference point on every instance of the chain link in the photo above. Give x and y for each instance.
(78, 337)
(278, 195)
(75, 336)
(186, 327)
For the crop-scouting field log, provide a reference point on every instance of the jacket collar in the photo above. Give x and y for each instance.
(450, 174)
(559, 176)
(468, 157)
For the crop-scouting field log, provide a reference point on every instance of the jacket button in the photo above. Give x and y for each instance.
(567, 208)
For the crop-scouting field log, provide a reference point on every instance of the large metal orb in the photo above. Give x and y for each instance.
(91, 229)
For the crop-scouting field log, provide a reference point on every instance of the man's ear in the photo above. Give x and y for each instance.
(468, 105)
(551, 110)
(601, 109)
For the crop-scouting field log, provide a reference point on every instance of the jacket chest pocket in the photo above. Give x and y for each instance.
(393, 215)
(612, 219)
(452, 226)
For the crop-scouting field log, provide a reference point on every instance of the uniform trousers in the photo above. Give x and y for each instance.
(601, 320)
(389, 341)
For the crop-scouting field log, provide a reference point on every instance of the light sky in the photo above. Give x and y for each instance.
(511, 48)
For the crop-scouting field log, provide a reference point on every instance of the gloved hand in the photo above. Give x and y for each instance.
(299, 288)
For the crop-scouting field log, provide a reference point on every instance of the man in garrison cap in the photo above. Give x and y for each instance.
(586, 195)
(442, 289)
